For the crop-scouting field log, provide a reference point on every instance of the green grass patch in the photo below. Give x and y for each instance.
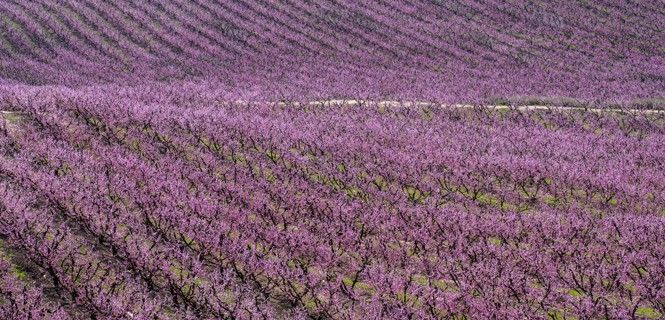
(13, 117)
(415, 195)
(559, 315)
(494, 240)
(649, 313)
(575, 293)
(366, 288)
(550, 200)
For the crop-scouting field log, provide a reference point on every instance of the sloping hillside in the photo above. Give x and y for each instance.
(332, 159)
(442, 50)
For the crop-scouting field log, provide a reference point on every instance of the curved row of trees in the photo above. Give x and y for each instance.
(471, 51)
(187, 206)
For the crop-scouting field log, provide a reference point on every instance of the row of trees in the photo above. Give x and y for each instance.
(462, 51)
(210, 209)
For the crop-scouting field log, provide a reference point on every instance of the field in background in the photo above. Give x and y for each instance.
(598, 53)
